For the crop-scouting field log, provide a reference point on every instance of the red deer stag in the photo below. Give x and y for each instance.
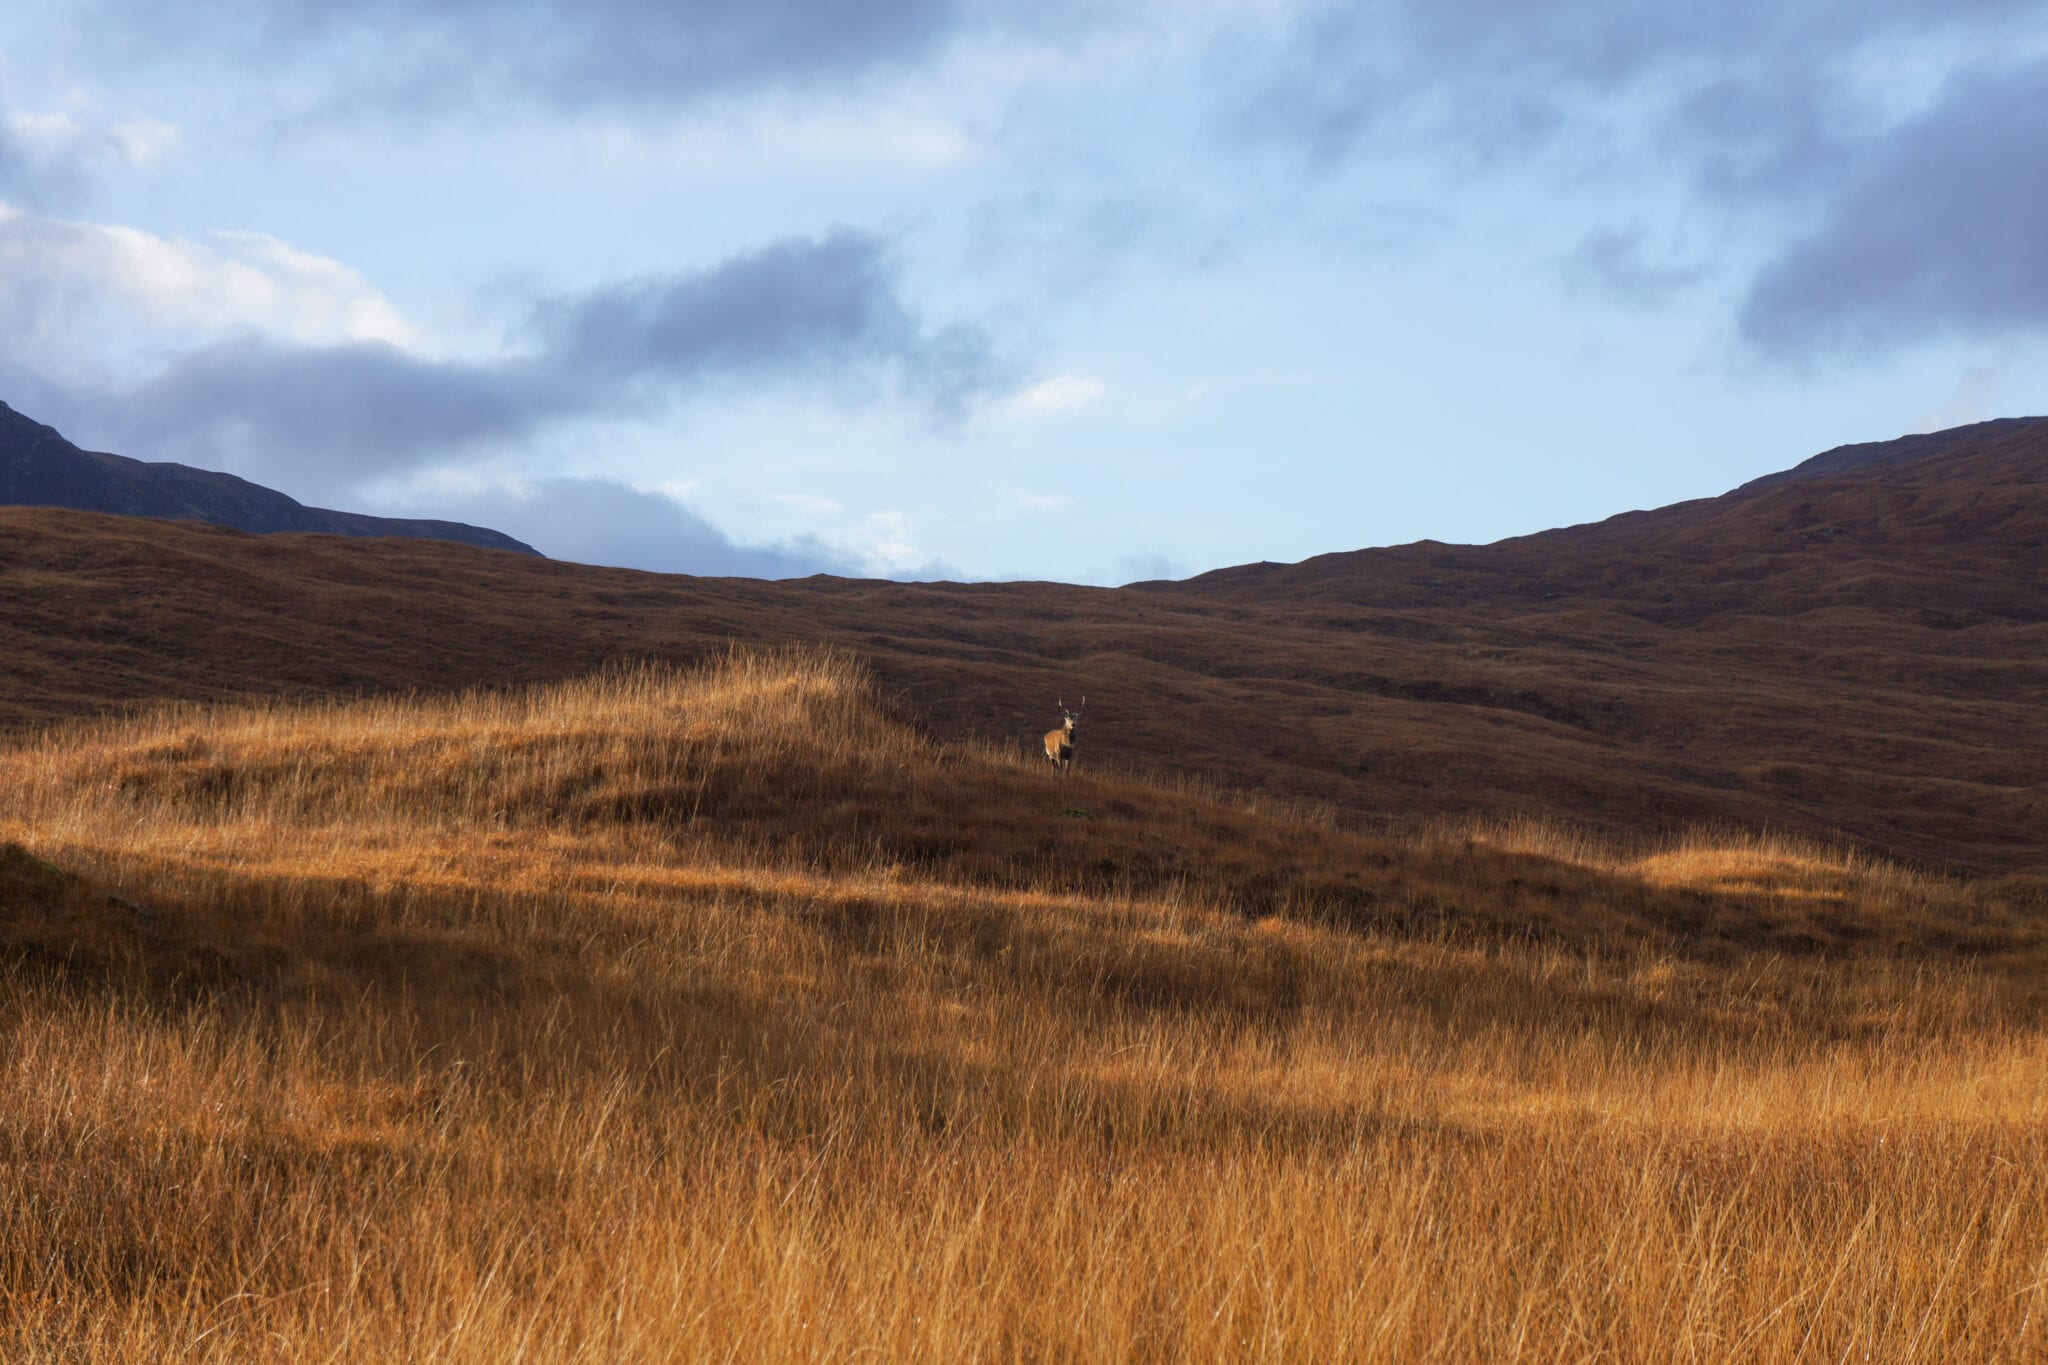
(1059, 744)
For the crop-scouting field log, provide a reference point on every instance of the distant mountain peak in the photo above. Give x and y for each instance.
(40, 468)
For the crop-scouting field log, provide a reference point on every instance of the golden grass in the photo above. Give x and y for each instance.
(669, 1016)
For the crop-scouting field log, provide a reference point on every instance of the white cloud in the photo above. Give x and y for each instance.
(1039, 502)
(54, 138)
(1058, 396)
(885, 541)
(66, 286)
(251, 279)
(44, 135)
(809, 503)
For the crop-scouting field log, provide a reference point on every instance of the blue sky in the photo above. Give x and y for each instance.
(1078, 290)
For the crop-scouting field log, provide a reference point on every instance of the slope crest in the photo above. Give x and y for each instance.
(39, 468)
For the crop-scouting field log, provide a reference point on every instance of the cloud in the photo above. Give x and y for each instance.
(1613, 262)
(1055, 397)
(328, 417)
(65, 285)
(811, 504)
(48, 157)
(803, 307)
(1502, 76)
(59, 137)
(562, 54)
(601, 521)
(823, 314)
(1038, 502)
(1940, 231)
(1885, 200)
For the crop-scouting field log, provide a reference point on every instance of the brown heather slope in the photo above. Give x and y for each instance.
(1861, 651)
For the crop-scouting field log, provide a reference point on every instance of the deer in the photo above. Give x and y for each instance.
(1059, 743)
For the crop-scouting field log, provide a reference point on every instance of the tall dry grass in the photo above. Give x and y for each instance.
(718, 1015)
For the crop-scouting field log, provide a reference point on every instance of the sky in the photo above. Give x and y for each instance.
(1078, 290)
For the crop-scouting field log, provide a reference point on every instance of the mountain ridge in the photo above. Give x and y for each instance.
(40, 468)
(1867, 456)
(1912, 496)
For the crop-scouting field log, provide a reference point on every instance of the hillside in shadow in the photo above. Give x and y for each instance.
(39, 468)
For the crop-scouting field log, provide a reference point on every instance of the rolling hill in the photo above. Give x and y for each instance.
(1859, 651)
(39, 468)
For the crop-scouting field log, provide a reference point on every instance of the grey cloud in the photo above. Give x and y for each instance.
(599, 521)
(802, 307)
(1347, 78)
(1766, 114)
(652, 49)
(1744, 140)
(336, 414)
(1747, 80)
(567, 55)
(821, 313)
(1939, 231)
(589, 521)
(1614, 262)
(1324, 90)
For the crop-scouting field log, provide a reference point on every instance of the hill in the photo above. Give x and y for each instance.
(1862, 655)
(725, 1014)
(1948, 529)
(39, 468)
(1869, 455)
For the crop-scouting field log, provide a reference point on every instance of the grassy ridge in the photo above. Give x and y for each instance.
(667, 1015)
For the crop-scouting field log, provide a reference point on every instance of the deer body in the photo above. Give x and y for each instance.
(1059, 742)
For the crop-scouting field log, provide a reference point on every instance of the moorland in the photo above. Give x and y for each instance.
(414, 952)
